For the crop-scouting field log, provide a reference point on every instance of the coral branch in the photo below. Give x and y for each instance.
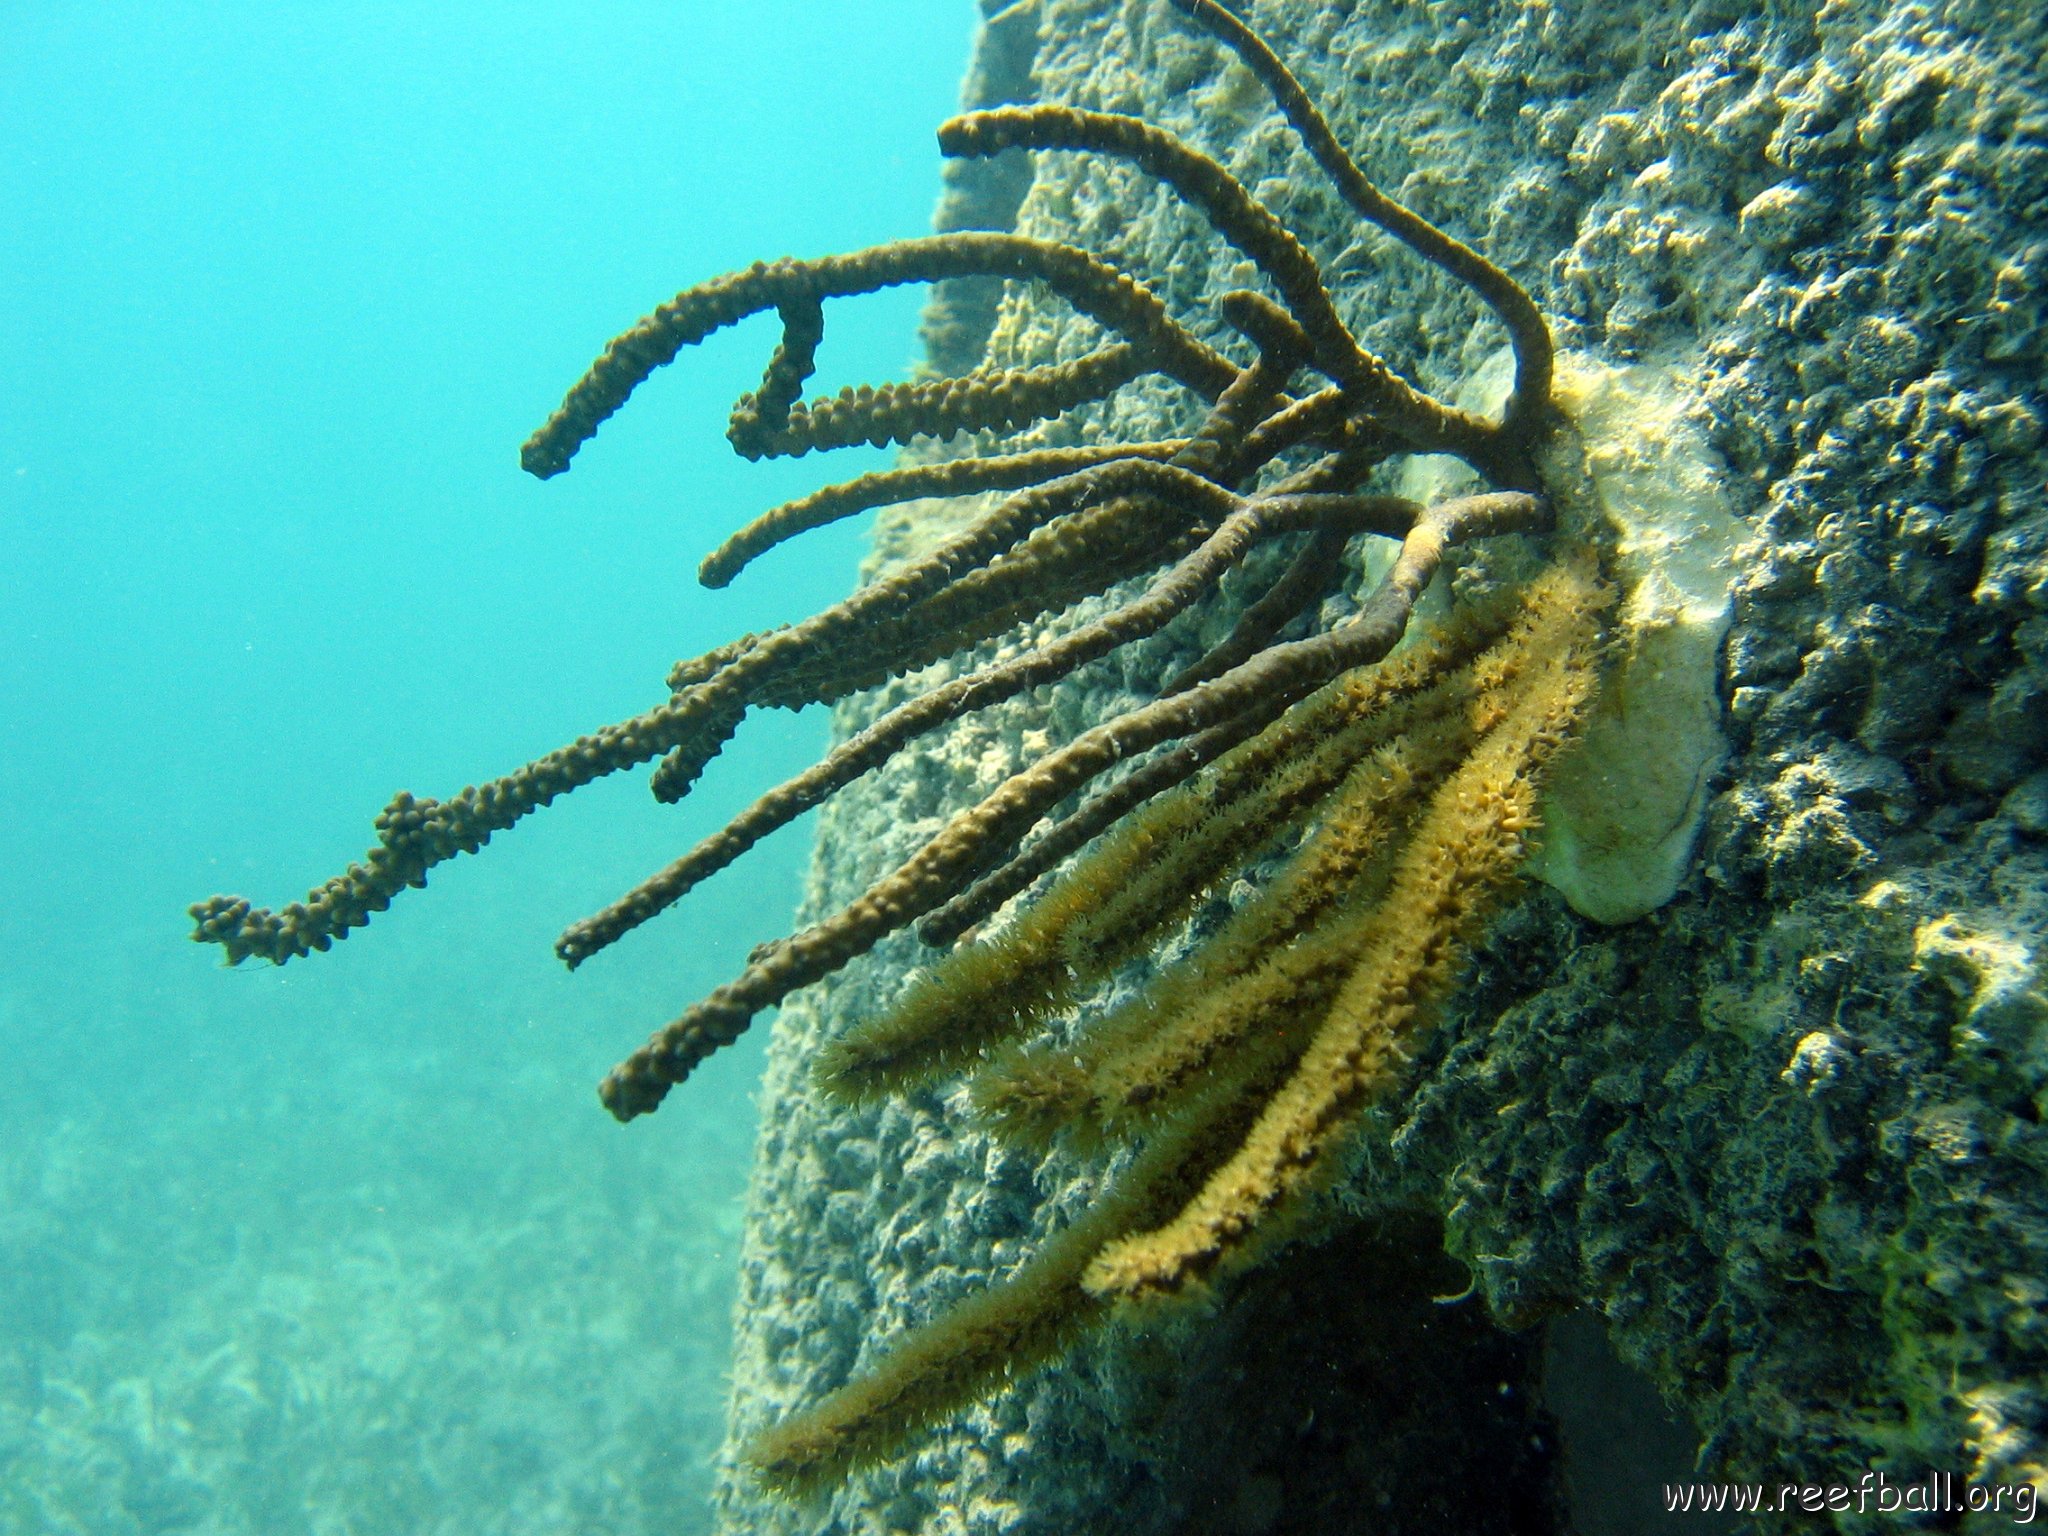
(1410, 781)
(970, 841)
(1403, 951)
(954, 477)
(1244, 1066)
(1422, 423)
(794, 288)
(1527, 332)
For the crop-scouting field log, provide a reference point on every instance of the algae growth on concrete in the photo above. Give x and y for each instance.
(1769, 1131)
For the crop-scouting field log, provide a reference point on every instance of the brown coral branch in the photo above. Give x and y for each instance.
(1227, 1044)
(954, 477)
(1422, 423)
(1404, 951)
(1528, 335)
(416, 833)
(1114, 300)
(1409, 782)
(983, 832)
(1147, 875)
(898, 413)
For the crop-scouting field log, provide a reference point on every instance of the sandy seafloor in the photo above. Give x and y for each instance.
(350, 1246)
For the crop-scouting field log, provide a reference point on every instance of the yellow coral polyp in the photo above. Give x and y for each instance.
(1243, 1067)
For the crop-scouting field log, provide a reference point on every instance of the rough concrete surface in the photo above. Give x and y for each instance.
(1781, 1138)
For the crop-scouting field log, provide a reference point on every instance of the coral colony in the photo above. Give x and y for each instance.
(1410, 785)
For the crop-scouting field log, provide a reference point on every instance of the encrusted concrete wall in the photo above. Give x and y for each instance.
(1783, 1136)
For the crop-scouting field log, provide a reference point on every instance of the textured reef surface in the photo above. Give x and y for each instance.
(1779, 1137)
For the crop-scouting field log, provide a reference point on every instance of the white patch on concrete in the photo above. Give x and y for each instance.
(1634, 470)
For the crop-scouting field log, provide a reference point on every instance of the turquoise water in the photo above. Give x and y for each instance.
(349, 1246)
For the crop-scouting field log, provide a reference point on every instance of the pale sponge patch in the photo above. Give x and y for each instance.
(1634, 470)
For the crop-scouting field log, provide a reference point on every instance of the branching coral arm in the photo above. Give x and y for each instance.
(795, 289)
(1421, 422)
(1527, 332)
(984, 833)
(1243, 525)
(953, 477)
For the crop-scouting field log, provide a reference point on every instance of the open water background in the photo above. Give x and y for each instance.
(349, 1246)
